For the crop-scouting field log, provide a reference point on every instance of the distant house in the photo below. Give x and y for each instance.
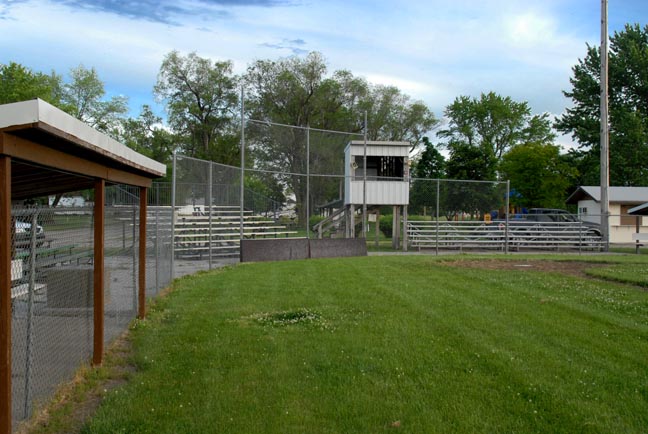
(622, 199)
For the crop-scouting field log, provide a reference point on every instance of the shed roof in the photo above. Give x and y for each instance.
(621, 195)
(53, 152)
(639, 210)
(402, 148)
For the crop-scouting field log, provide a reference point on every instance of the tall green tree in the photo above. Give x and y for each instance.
(426, 169)
(628, 108)
(298, 91)
(147, 135)
(394, 116)
(84, 98)
(19, 83)
(494, 124)
(539, 174)
(472, 163)
(294, 91)
(430, 163)
(202, 103)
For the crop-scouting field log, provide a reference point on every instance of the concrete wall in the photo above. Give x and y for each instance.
(338, 247)
(285, 249)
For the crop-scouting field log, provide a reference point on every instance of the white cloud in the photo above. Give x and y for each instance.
(432, 50)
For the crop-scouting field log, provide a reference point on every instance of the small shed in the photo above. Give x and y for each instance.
(622, 201)
(45, 151)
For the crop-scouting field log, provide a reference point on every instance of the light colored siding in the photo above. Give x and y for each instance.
(386, 151)
(380, 193)
(618, 233)
(593, 211)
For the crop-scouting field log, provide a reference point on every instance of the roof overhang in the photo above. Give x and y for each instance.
(616, 194)
(52, 152)
(578, 195)
(373, 146)
(639, 210)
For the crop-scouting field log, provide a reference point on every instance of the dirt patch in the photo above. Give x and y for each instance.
(571, 268)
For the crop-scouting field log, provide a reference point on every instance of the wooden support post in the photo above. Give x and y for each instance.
(405, 228)
(141, 301)
(99, 282)
(396, 228)
(637, 229)
(5, 293)
(377, 243)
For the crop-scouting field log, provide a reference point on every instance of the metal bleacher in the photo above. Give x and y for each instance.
(216, 231)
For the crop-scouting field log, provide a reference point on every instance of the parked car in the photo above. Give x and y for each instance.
(22, 238)
(559, 216)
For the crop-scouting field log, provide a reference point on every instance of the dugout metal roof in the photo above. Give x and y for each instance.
(53, 152)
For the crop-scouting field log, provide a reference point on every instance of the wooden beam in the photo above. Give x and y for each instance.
(99, 281)
(27, 150)
(5, 293)
(142, 253)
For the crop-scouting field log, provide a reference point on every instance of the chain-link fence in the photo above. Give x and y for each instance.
(52, 283)
(308, 182)
(312, 183)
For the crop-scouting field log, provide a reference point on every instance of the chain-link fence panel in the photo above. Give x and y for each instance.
(192, 206)
(472, 200)
(159, 248)
(160, 194)
(52, 288)
(327, 218)
(453, 214)
(301, 164)
(121, 265)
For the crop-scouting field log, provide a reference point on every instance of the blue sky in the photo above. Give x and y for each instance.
(433, 50)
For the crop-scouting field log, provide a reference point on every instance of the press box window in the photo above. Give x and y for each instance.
(380, 168)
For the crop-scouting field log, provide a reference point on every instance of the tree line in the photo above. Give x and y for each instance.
(489, 137)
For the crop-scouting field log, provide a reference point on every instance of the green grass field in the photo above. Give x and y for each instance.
(389, 344)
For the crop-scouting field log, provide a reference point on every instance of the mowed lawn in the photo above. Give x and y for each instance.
(387, 344)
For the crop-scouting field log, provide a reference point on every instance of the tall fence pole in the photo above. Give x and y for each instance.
(173, 218)
(143, 225)
(242, 186)
(30, 312)
(437, 215)
(307, 181)
(209, 208)
(134, 255)
(604, 139)
(364, 180)
(157, 250)
(506, 227)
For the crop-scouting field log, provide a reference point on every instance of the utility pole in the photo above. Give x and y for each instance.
(242, 186)
(605, 150)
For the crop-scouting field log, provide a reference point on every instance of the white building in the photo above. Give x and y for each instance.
(622, 199)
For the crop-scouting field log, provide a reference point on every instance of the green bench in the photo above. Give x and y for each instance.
(50, 256)
(47, 251)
